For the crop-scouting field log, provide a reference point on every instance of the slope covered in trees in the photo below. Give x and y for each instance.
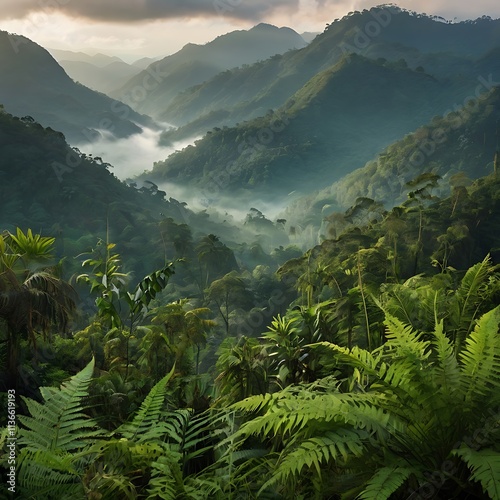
(323, 399)
(446, 51)
(194, 64)
(341, 117)
(34, 84)
(458, 147)
(151, 351)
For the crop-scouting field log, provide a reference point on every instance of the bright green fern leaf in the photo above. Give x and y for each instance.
(145, 424)
(385, 482)
(481, 360)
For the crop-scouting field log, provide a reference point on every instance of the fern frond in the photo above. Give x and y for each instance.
(145, 426)
(385, 482)
(446, 370)
(59, 423)
(485, 465)
(317, 451)
(111, 486)
(188, 431)
(296, 414)
(367, 361)
(480, 360)
(403, 341)
(48, 474)
(166, 477)
(469, 296)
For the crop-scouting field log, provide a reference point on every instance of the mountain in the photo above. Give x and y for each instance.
(193, 64)
(58, 191)
(34, 84)
(459, 147)
(339, 120)
(99, 72)
(441, 49)
(144, 62)
(309, 36)
(99, 60)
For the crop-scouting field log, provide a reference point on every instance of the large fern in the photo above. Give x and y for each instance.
(146, 422)
(408, 403)
(480, 361)
(469, 299)
(53, 439)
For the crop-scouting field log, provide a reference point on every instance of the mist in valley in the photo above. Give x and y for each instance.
(133, 155)
(229, 216)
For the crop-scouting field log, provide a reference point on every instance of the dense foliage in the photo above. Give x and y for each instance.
(379, 380)
(153, 351)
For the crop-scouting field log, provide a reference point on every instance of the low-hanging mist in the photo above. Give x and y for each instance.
(133, 155)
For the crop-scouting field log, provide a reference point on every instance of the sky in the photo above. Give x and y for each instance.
(132, 29)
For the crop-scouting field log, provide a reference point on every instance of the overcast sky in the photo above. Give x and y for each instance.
(137, 28)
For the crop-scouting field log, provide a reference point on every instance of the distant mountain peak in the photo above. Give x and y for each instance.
(264, 26)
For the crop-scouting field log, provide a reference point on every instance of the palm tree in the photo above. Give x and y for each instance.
(33, 299)
(183, 327)
(242, 369)
(217, 259)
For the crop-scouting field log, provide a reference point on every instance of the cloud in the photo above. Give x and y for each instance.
(125, 11)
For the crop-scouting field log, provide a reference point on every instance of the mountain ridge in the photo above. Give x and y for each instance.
(34, 84)
(195, 63)
(279, 78)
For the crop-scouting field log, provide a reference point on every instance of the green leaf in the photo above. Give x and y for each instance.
(385, 482)
(485, 465)
(146, 419)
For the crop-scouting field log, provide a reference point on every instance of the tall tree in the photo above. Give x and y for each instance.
(228, 294)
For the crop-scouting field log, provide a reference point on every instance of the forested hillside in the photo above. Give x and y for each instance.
(446, 51)
(414, 293)
(458, 148)
(194, 64)
(33, 84)
(341, 118)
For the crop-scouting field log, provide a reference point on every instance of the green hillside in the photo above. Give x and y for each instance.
(341, 117)
(194, 64)
(34, 84)
(52, 188)
(386, 31)
(458, 147)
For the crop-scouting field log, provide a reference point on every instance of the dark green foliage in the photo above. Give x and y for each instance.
(51, 460)
(320, 125)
